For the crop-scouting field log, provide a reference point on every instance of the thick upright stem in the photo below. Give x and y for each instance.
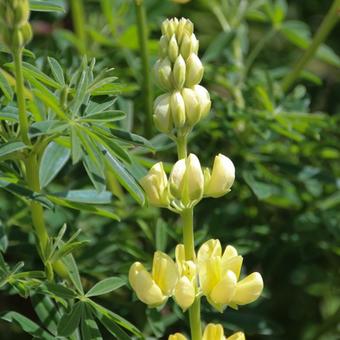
(182, 146)
(189, 247)
(23, 121)
(322, 33)
(143, 44)
(78, 19)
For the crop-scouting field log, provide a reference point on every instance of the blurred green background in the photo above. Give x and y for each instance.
(283, 214)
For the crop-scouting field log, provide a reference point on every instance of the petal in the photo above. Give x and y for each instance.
(177, 336)
(184, 293)
(146, 289)
(210, 274)
(237, 336)
(213, 332)
(164, 272)
(234, 264)
(224, 291)
(248, 289)
(209, 249)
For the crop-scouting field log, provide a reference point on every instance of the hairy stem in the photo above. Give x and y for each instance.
(325, 28)
(143, 44)
(189, 246)
(78, 19)
(23, 121)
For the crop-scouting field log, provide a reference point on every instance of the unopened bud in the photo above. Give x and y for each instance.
(179, 72)
(27, 34)
(189, 45)
(163, 73)
(203, 98)
(192, 109)
(177, 108)
(163, 46)
(177, 336)
(173, 49)
(162, 116)
(194, 71)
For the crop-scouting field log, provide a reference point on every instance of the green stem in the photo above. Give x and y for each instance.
(325, 28)
(143, 44)
(181, 142)
(189, 247)
(23, 121)
(78, 19)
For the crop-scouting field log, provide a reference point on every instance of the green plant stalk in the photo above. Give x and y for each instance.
(189, 248)
(325, 28)
(181, 142)
(143, 44)
(23, 121)
(78, 19)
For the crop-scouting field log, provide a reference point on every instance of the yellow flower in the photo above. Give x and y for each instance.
(155, 185)
(222, 177)
(177, 336)
(215, 332)
(155, 288)
(185, 291)
(219, 274)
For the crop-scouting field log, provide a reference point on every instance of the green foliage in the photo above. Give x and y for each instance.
(86, 128)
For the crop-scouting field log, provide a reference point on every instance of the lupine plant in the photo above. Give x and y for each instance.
(210, 273)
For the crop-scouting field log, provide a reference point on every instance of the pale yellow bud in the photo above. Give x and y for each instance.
(163, 73)
(213, 332)
(155, 185)
(189, 45)
(248, 289)
(173, 49)
(162, 115)
(222, 177)
(194, 70)
(178, 73)
(192, 108)
(177, 108)
(237, 336)
(203, 98)
(163, 46)
(186, 180)
(184, 293)
(177, 336)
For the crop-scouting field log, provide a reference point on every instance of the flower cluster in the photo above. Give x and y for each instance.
(16, 31)
(178, 71)
(188, 183)
(217, 275)
(211, 332)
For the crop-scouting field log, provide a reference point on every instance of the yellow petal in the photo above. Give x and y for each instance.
(232, 263)
(213, 332)
(177, 336)
(224, 291)
(164, 272)
(209, 249)
(210, 274)
(237, 336)
(146, 289)
(184, 293)
(248, 289)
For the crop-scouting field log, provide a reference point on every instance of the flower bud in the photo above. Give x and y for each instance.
(237, 336)
(177, 108)
(203, 98)
(21, 13)
(155, 185)
(163, 46)
(163, 73)
(177, 336)
(173, 49)
(26, 31)
(222, 177)
(162, 116)
(178, 73)
(184, 293)
(194, 70)
(213, 332)
(186, 180)
(169, 27)
(192, 108)
(189, 45)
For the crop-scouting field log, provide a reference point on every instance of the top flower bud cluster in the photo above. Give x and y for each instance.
(178, 72)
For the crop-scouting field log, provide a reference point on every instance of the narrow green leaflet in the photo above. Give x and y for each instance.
(57, 70)
(5, 87)
(47, 6)
(89, 327)
(73, 272)
(106, 286)
(27, 325)
(70, 321)
(86, 196)
(53, 160)
(125, 178)
(68, 248)
(47, 127)
(60, 291)
(3, 238)
(11, 147)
